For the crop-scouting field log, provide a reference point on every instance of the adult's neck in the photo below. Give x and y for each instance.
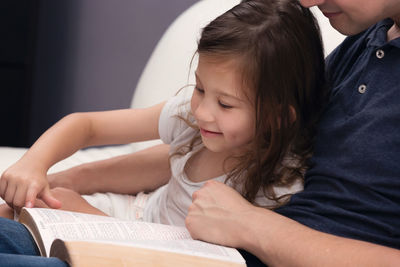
(394, 31)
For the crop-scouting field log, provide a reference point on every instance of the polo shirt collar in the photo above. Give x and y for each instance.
(378, 36)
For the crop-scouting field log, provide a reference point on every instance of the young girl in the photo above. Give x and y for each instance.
(250, 122)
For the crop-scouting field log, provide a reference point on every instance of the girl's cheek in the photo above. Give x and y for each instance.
(193, 104)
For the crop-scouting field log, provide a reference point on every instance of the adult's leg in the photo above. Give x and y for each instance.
(16, 239)
(13, 260)
(17, 247)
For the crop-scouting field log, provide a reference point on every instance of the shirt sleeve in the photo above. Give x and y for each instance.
(170, 124)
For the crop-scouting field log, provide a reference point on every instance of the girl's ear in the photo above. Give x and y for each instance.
(293, 114)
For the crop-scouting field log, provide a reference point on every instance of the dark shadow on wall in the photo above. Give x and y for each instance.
(17, 46)
(84, 55)
(52, 69)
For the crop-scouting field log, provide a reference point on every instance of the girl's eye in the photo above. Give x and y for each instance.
(201, 91)
(224, 105)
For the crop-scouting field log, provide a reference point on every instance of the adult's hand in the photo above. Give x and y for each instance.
(220, 215)
(216, 215)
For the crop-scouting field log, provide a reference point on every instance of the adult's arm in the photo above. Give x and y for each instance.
(145, 170)
(220, 215)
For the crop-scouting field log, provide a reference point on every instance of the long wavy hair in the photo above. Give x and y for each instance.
(280, 53)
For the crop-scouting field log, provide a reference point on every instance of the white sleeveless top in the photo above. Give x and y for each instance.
(169, 204)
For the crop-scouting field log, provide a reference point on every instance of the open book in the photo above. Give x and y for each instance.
(90, 240)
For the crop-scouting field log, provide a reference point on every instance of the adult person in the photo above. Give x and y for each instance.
(351, 191)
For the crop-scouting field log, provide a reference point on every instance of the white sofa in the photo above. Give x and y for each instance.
(166, 71)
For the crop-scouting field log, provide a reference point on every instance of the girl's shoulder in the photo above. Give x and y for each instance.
(172, 122)
(175, 123)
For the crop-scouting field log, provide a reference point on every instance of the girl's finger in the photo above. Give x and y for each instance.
(3, 188)
(19, 197)
(51, 201)
(9, 194)
(31, 194)
(40, 204)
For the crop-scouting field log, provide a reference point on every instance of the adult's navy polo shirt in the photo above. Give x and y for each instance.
(352, 188)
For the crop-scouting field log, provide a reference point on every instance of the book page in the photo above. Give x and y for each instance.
(67, 225)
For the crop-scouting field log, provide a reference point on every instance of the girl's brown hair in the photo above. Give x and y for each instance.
(281, 57)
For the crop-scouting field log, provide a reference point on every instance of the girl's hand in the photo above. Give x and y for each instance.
(217, 215)
(71, 201)
(22, 184)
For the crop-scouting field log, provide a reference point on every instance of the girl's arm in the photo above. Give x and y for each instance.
(26, 179)
(145, 170)
(71, 201)
(220, 215)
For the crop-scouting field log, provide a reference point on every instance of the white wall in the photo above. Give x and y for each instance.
(330, 36)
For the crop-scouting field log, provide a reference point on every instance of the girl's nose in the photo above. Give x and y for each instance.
(203, 112)
(310, 3)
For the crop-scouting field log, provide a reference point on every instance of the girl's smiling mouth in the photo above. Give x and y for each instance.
(208, 133)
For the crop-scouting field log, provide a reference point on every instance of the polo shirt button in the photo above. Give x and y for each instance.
(380, 53)
(362, 88)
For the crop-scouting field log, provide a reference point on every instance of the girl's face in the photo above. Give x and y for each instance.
(223, 112)
(353, 16)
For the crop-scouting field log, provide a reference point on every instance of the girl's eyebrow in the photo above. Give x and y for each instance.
(222, 93)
